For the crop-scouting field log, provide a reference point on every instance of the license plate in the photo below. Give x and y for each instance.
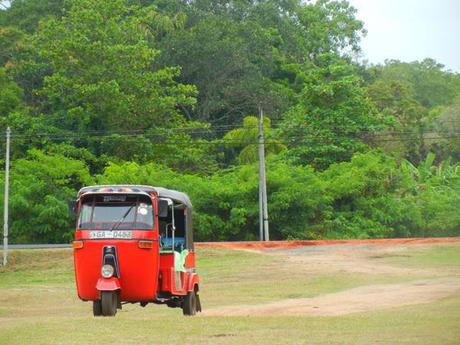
(120, 235)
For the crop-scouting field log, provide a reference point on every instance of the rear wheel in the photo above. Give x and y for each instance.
(198, 302)
(189, 304)
(97, 307)
(109, 301)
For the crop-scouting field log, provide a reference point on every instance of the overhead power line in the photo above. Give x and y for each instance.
(216, 136)
(293, 140)
(217, 130)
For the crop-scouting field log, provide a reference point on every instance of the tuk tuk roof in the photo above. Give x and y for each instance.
(118, 188)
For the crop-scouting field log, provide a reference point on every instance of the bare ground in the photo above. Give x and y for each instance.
(352, 258)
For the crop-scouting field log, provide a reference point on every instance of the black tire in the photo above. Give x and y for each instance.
(97, 307)
(109, 301)
(189, 304)
(198, 302)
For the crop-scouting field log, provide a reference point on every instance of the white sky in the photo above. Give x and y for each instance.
(410, 30)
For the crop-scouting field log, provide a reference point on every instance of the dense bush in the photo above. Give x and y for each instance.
(41, 187)
(226, 203)
(372, 196)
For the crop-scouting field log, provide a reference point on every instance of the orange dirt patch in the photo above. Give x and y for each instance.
(290, 244)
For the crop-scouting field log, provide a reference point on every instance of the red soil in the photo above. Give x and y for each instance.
(289, 244)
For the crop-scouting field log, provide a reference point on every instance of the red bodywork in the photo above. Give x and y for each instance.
(189, 279)
(145, 274)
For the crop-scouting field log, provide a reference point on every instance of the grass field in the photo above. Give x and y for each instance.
(38, 303)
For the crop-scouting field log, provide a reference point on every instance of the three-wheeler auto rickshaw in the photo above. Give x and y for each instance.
(134, 244)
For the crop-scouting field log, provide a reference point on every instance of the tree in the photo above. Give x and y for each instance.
(26, 14)
(433, 190)
(332, 114)
(407, 119)
(100, 70)
(10, 96)
(328, 27)
(446, 128)
(234, 51)
(174, 148)
(430, 83)
(230, 63)
(41, 187)
(245, 140)
(226, 203)
(413, 96)
(366, 200)
(10, 38)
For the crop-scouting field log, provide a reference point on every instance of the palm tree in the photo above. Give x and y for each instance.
(246, 139)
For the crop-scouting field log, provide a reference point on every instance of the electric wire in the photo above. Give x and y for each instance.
(295, 134)
(291, 140)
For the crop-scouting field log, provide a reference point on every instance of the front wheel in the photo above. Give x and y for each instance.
(189, 304)
(97, 307)
(109, 301)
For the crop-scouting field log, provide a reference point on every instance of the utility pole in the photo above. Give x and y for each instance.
(263, 209)
(5, 208)
(261, 204)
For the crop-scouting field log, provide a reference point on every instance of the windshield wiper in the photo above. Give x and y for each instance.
(117, 224)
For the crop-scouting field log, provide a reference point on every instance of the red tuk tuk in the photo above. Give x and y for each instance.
(134, 244)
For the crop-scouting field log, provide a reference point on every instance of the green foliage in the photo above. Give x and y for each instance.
(234, 51)
(228, 61)
(370, 196)
(10, 38)
(226, 204)
(431, 84)
(333, 110)
(447, 126)
(365, 198)
(419, 100)
(329, 27)
(395, 101)
(26, 14)
(122, 89)
(41, 187)
(10, 95)
(245, 139)
(373, 196)
(436, 192)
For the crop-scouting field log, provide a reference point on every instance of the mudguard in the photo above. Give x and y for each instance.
(192, 281)
(108, 284)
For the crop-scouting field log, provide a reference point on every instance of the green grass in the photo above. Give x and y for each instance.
(38, 304)
(425, 324)
(262, 278)
(431, 256)
(37, 267)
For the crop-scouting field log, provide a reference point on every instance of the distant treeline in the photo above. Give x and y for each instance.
(164, 93)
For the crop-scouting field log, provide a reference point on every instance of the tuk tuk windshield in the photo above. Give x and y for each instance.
(116, 212)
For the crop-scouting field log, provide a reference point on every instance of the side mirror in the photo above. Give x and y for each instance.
(163, 208)
(73, 207)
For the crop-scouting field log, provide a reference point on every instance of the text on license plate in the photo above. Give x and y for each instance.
(122, 235)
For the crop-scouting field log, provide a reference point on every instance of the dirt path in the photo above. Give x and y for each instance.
(360, 299)
(362, 258)
(351, 258)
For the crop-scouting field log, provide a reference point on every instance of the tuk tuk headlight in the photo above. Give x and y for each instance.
(107, 271)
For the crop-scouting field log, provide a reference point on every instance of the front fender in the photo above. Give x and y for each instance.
(108, 284)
